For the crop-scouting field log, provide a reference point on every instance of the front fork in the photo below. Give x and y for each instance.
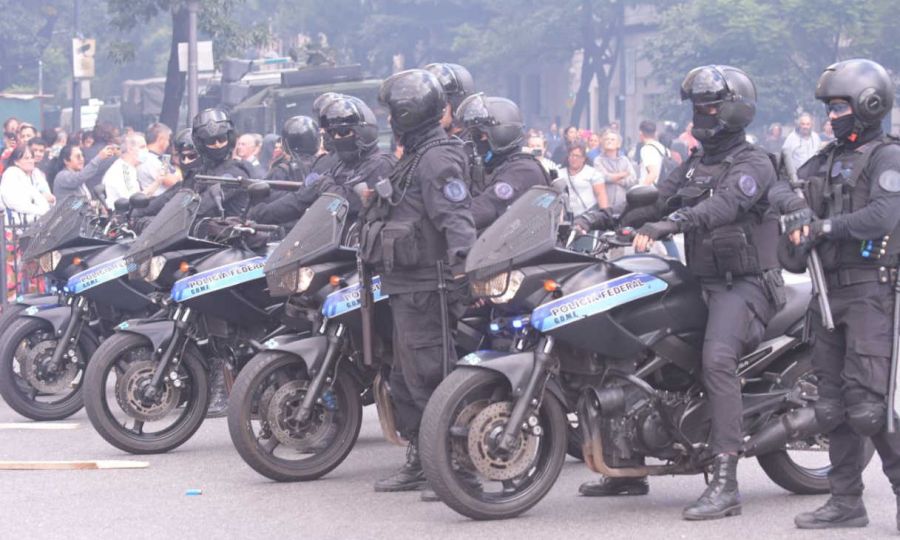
(167, 359)
(529, 399)
(323, 376)
(66, 346)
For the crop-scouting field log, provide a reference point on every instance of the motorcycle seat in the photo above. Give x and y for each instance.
(798, 296)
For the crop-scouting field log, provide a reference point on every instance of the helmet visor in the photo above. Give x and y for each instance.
(473, 111)
(704, 85)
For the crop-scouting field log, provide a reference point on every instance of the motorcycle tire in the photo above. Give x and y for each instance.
(460, 390)
(244, 399)
(12, 388)
(778, 465)
(97, 404)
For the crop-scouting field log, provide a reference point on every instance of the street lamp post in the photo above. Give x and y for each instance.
(193, 104)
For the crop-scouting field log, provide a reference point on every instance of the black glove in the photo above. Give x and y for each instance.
(795, 220)
(659, 229)
(636, 217)
(795, 204)
(581, 224)
(819, 229)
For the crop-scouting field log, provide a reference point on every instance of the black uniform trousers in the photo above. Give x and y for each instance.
(855, 358)
(737, 321)
(418, 353)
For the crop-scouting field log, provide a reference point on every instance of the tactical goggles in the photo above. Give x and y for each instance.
(837, 108)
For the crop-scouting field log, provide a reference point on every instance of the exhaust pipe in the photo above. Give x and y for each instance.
(797, 424)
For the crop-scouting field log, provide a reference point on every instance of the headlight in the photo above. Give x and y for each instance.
(156, 267)
(48, 261)
(500, 288)
(304, 277)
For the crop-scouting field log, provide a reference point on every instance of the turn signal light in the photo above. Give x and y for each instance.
(335, 281)
(551, 286)
(76, 261)
(183, 267)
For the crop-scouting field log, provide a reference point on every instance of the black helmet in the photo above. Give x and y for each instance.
(497, 117)
(729, 88)
(211, 126)
(456, 81)
(188, 157)
(300, 136)
(352, 126)
(414, 98)
(863, 83)
(321, 103)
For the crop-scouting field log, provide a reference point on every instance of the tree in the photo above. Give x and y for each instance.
(27, 30)
(783, 44)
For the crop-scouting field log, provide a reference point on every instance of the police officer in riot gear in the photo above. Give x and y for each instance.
(301, 140)
(214, 138)
(418, 223)
(458, 84)
(850, 214)
(495, 126)
(326, 159)
(353, 130)
(717, 198)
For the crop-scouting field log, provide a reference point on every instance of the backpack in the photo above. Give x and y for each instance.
(667, 165)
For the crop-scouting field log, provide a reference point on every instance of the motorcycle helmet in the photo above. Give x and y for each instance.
(300, 136)
(211, 128)
(496, 117)
(415, 99)
(726, 89)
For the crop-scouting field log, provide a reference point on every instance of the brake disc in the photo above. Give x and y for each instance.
(129, 391)
(460, 444)
(36, 369)
(308, 436)
(487, 427)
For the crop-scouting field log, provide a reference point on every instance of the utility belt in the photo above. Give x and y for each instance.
(390, 245)
(845, 277)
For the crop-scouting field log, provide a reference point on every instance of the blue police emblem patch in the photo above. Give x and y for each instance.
(503, 191)
(455, 190)
(748, 185)
(890, 181)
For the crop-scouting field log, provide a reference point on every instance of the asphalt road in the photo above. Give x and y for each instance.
(237, 503)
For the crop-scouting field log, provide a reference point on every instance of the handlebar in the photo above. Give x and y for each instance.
(244, 183)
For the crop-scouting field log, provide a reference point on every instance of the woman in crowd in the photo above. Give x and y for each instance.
(585, 183)
(71, 178)
(20, 196)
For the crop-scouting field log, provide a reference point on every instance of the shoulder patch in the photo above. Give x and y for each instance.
(455, 190)
(890, 181)
(503, 191)
(748, 185)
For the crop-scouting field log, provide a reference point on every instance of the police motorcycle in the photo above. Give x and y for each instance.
(147, 386)
(296, 408)
(623, 339)
(77, 250)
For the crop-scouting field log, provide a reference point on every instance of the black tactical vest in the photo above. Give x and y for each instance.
(837, 182)
(745, 247)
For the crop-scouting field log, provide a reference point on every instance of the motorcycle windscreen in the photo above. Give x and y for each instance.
(316, 236)
(67, 224)
(172, 224)
(526, 230)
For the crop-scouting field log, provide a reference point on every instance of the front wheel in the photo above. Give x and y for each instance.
(129, 416)
(29, 382)
(265, 396)
(458, 437)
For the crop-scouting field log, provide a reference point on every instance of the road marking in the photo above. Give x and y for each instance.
(38, 425)
(70, 465)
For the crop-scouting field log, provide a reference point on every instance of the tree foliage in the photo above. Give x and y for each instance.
(783, 44)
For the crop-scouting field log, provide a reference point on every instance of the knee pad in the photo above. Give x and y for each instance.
(865, 412)
(829, 414)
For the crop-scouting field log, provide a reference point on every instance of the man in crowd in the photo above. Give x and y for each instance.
(247, 150)
(121, 179)
(154, 176)
(803, 142)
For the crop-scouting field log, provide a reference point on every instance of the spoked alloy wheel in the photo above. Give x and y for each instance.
(128, 415)
(266, 395)
(29, 382)
(802, 467)
(460, 428)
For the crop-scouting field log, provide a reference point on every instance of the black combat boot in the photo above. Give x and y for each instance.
(721, 498)
(218, 391)
(611, 487)
(841, 511)
(410, 477)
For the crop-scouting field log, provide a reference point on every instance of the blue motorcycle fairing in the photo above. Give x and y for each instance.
(216, 279)
(347, 299)
(595, 299)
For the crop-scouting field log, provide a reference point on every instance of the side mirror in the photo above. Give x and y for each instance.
(639, 196)
(139, 200)
(122, 206)
(560, 185)
(259, 192)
